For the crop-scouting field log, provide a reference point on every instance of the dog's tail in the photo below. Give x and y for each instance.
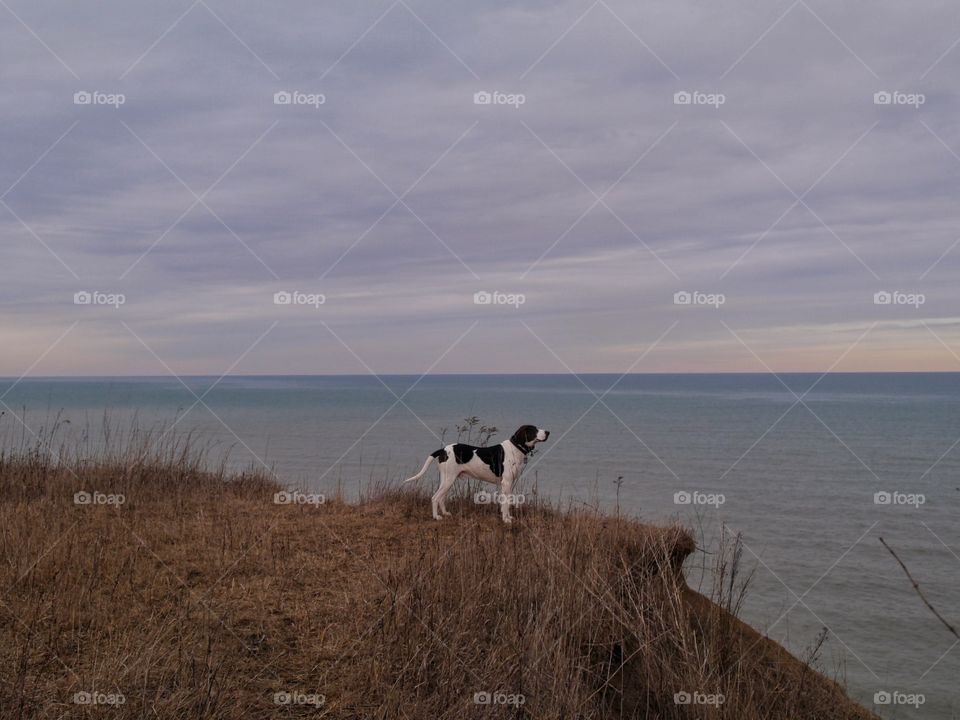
(440, 455)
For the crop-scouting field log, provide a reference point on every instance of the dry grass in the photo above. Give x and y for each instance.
(200, 598)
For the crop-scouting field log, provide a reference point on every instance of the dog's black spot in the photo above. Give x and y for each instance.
(492, 456)
(462, 453)
(440, 455)
(489, 456)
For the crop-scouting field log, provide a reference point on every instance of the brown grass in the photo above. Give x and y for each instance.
(201, 598)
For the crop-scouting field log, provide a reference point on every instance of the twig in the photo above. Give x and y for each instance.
(916, 586)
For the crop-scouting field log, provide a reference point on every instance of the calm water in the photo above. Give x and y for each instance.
(798, 480)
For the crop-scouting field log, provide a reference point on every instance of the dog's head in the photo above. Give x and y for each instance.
(527, 436)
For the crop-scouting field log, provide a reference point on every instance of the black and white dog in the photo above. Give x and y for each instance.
(500, 464)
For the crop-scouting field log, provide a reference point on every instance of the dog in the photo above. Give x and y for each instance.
(500, 464)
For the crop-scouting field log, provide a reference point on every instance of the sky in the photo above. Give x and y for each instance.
(160, 202)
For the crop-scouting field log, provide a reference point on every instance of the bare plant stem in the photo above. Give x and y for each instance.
(916, 587)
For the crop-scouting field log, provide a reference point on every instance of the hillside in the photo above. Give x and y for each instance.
(198, 596)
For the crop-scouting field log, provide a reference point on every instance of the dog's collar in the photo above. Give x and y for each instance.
(522, 448)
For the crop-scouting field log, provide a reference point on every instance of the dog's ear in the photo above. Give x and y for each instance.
(524, 434)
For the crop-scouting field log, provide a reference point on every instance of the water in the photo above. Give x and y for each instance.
(797, 479)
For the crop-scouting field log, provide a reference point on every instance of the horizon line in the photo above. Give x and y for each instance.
(475, 374)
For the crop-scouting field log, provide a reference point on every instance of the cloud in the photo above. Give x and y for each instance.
(397, 197)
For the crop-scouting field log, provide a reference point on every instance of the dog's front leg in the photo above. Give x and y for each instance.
(506, 497)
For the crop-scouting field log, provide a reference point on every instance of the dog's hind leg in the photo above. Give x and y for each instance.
(448, 476)
(443, 496)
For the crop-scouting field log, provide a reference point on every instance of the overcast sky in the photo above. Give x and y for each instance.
(587, 197)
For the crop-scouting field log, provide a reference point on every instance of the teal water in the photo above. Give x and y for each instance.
(798, 479)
